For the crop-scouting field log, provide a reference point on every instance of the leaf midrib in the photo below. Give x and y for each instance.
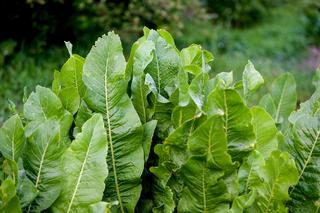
(226, 115)
(75, 75)
(109, 132)
(270, 198)
(79, 178)
(12, 142)
(40, 169)
(280, 102)
(158, 71)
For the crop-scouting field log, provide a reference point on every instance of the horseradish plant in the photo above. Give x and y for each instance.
(160, 133)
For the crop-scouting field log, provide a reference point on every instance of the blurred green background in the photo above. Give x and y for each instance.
(276, 35)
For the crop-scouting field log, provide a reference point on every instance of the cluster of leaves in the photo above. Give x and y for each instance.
(158, 134)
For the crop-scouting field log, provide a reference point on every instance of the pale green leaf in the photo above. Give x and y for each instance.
(165, 65)
(43, 105)
(43, 166)
(71, 85)
(143, 56)
(196, 89)
(85, 168)
(12, 138)
(265, 130)
(252, 79)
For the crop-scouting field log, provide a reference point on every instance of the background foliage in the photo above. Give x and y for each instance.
(276, 35)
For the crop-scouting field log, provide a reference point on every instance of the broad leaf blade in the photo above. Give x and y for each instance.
(71, 84)
(104, 77)
(252, 79)
(277, 175)
(85, 168)
(165, 65)
(237, 120)
(305, 148)
(43, 166)
(143, 56)
(204, 190)
(12, 138)
(265, 130)
(44, 105)
(210, 140)
(284, 98)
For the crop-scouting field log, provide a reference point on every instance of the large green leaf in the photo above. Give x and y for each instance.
(196, 89)
(12, 138)
(143, 56)
(180, 115)
(192, 59)
(161, 76)
(210, 140)
(205, 190)
(165, 64)
(85, 168)
(252, 79)
(284, 98)
(236, 118)
(104, 77)
(42, 163)
(44, 105)
(265, 130)
(277, 175)
(69, 82)
(305, 148)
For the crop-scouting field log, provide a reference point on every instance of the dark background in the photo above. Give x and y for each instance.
(276, 35)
